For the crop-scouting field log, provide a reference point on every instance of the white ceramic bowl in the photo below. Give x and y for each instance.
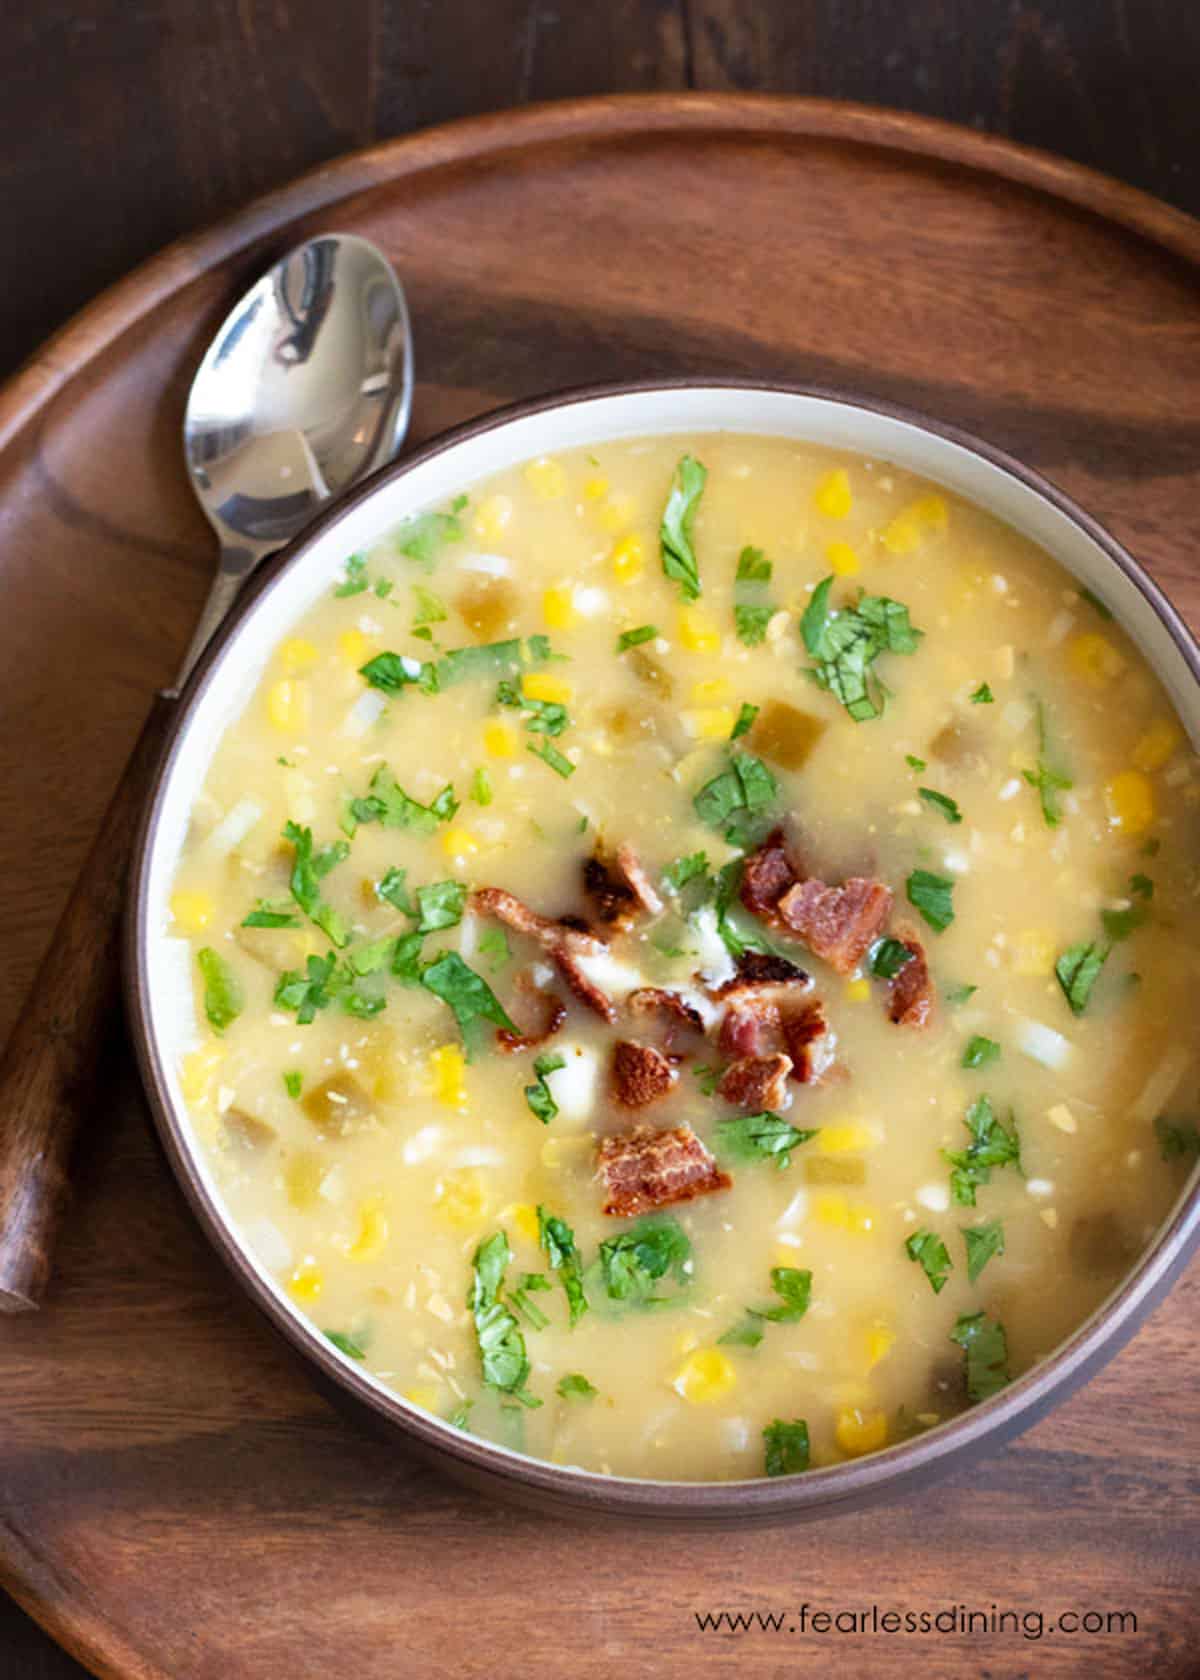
(158, 967)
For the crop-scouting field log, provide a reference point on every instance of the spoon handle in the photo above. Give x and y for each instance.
(48, 1069)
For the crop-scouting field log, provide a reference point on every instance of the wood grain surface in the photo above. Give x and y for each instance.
(174, 1501)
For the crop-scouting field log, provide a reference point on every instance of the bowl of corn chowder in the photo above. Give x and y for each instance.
(662, 950)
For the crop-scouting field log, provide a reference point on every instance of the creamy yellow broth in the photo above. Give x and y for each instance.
(369, 1199)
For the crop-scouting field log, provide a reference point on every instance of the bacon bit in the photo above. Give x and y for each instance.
(647, 1169)
(562, 942)
(630, 866)
(650, 1000)
(762, 968)
(766, 875)
(910, 991)
(756, 1081)
(640, 1074)
(838, 924)
(809, 1043)
(614, 900)
(746, 1026)
(554, 1014)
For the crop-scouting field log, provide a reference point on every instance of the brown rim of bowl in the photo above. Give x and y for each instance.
(851, 1483)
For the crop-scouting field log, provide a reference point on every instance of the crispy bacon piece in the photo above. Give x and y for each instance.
(554, 1013)
(761, 968)
(563, 943)
(747, 1026)
(838, 924)
(910, 992)
(756, 1081)
(809, 1042)
(766, 875)
(652, 1000)
(640, 1073)
(646, 1169)
(614, 899)
(754, 998)
(637, 880)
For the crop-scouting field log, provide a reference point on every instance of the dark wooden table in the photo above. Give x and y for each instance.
(128, 125)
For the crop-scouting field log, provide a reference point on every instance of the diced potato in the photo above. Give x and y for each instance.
(302, 1179)
(247, 1130)
(785, 735)
(830, 1169)
(851, 1137)
(705, 1376)
(1034, 951)
(192, 911)
(336, 1104)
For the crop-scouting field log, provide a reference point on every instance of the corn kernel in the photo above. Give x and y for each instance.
(354, 648)
(297, 654)
(627, 558)
(1033, 952)
(1155, 748)
(878, 1343)
(302, 1179)
(461, 1199)
(904, 532)
(492, 517)
(711, 691)
(198, 1069)
(191, 911)
(423, 1395)
(372, 1235)
(546, 478)
(704, 1376)
(540, 685)
(858, 991)
(1130, 800)
(499, 739)
(459, 843)
(832, 496)
(859, 1432)
(830, 1207)
(842, 558)
(447, 1068)
(617, 513)
(558, 608)
(1093, 659)
(697, 631)
(595, 487)
(306, 1282)
(522, 1217)
(710, 723)
(288, 705)
(850, 1138)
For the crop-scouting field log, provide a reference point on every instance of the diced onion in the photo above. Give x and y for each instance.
(366, 710)
(495, 565)
(421, 1145)
(177, 999)
(468, 936)
(234, 827)
(935, 1197)
(716, 965)
(1016, 715)
(618, 979)
(573, 1087)
(1042, 1044)
(477, 1155)
(1161, 1085)
(269, 1244)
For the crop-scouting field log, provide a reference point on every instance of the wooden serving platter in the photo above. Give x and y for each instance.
(175, 1502)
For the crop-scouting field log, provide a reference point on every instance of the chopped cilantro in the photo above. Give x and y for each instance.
(481, 787)
(983, 1242)
(751, 611)
(387, 803)
(677, 875)
(941, 802)
(750, 623)
(466, 993)
(931, 895)
(980, 1051)
(990, 1146)
(383, 587)
(983, 696)
(421, 537)
(502, 1354)
(845, 644)
(675, 532)
(1048, 781)
(538, 1095)
(794, 1289)
(889, 957)
(956, 995)
(576, 1387)
(356, 577)
(550, 755)
(760, 1137)
(1078, 969)
(430, 609)
(747, 785)
(745, 721)
(393, 891)
(933, 1257)
(406, 959)
(983, 1341)
(634, 1261)
(440, 905)
(270, 914)
(1119, 924)
(785, 1447)
(634, 638)
(308, 992)
(520, 1299)
(309, 868)
(558, 1240)
(348, 1345)
(915, 763)
(707, 1078)
(493, 944)
(390, 673)
(223, 996)
(293, 1083)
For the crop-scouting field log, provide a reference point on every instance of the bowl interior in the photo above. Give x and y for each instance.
(164, 1014)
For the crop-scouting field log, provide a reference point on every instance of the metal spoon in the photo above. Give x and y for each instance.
(305, 389)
